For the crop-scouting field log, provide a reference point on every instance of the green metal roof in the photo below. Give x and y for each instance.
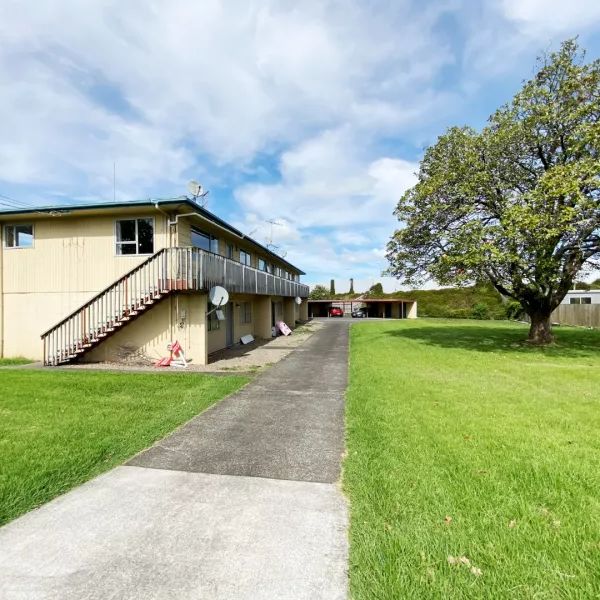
(162, 202)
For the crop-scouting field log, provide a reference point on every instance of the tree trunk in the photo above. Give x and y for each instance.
(540, 332)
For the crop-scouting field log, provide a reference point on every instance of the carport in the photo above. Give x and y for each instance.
(376, 308)
(396, 308)
(319, 308)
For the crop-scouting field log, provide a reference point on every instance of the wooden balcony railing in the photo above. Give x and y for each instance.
(169, 270)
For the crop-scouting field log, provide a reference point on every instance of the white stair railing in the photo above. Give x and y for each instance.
(169, 270)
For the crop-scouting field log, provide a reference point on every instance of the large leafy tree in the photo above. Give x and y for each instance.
(517, 203)
(319, 292)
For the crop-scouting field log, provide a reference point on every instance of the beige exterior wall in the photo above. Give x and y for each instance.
(290, 312)
(239, 328)
(217, 339)
(74, 258)
(28, 315)
(303, 310)
(177, 318)
(260, 325)
(73, 255)
(411, 310)
(262, 317)
(277, 308)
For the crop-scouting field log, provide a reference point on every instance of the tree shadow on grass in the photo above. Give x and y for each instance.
(570, 341)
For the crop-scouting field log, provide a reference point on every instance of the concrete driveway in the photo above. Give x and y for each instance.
(241, 502)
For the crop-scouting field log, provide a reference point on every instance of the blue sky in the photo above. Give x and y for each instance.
(314, 114)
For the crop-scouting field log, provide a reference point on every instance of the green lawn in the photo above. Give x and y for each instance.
(473, 466)
(19, 360)
(59, 429)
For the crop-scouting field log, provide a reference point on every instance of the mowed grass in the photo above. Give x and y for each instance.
(473, 465)
(59, 429)
(19, 360)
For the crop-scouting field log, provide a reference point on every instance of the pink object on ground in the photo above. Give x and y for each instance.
(285, 330)
(176, 358)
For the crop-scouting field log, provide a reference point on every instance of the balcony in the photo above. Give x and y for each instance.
(169, 270)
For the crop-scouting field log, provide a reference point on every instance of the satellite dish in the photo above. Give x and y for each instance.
(194, 188)
(298, 300)
(218, 296)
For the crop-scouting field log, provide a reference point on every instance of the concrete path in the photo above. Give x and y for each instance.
(240, 503)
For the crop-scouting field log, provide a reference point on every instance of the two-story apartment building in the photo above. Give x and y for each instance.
(114, 280)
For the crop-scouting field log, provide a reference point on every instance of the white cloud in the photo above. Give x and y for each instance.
(156, 86)
(329, 181)
(330, 184)
(346, 237)
(503, 38)
(170, 89)
(546, 17)
(320, 88)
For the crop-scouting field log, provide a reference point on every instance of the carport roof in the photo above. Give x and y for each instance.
(370, 300)
(366, 300)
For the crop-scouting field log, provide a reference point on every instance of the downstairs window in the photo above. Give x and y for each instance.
(245, 313)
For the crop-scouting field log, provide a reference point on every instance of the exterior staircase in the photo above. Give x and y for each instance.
(167, 271)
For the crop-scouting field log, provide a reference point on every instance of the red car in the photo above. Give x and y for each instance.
(334, 311)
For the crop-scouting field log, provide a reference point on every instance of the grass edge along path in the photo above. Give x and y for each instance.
(59, 429)
(473, 462)
(12, 362)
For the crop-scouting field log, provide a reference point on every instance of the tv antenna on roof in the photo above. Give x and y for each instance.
(197, 191)
(270, 245)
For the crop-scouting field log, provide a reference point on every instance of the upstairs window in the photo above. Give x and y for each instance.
(263, 265)
(245, 258)
(18, 236)
(204, 241)
(135, 236)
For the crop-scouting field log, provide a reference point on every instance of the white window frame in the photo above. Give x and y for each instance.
(19, 225)
(136, 236)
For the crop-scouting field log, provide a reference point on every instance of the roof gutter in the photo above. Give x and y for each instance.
(198, 214)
